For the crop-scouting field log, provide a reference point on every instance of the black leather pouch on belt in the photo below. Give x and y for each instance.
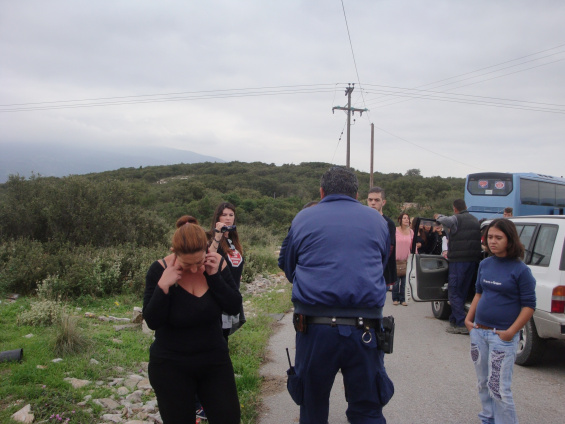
(385, 335)
(299, 322)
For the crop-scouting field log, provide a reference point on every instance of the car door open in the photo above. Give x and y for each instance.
(427, 274)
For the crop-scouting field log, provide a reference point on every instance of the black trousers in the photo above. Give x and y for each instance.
(177, 383)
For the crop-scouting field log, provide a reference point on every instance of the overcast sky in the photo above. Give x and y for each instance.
(269, 73)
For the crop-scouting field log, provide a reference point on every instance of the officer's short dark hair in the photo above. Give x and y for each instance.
(459, 204)
(508, 210)
(339, 180)
(377, 190)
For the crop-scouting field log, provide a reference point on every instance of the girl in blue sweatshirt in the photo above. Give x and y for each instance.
(504, 302)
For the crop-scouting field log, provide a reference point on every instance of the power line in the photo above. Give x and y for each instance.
(479, 102)
(487, 73)
(427, 149)
(339, 140)
(459, 94)
(171, 94)
(352, 51)
(498, 64)
(219, 94)
(475, 100)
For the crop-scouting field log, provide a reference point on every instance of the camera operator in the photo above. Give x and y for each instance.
(334, 254)
(225, 241)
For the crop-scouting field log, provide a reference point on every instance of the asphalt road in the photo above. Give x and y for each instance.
(434, 378)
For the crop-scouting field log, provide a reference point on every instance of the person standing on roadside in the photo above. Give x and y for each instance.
(504, 302)
(185, 294)
(464, 254)
(225, 240)
(334, 255)
(404, 236)
(376, 200)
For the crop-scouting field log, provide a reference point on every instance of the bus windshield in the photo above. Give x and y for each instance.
(490, 184)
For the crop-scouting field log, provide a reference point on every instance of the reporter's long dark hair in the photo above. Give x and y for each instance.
(233, 235)
(514, 248)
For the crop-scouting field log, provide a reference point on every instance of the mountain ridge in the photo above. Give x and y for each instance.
(60, 161)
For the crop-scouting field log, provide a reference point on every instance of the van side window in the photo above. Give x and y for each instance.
(526, 232)
(543, 247)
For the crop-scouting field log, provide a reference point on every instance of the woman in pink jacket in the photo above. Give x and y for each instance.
(404, 236)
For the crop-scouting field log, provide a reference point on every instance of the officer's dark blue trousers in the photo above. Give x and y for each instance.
(459, 280)
(320, 353)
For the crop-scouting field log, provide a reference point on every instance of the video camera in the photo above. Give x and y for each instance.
(227, 228)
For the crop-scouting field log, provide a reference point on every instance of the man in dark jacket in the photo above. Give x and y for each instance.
(464, 253)
(376, 200)
(334, 254)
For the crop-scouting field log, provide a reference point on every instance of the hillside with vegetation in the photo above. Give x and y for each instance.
(96, 234)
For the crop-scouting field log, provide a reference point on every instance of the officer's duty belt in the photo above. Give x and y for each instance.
(333, 321)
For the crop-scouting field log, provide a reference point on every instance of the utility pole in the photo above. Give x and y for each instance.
(349, 110)
(372, 154)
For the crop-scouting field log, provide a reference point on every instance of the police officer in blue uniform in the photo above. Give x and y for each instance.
(334, 254)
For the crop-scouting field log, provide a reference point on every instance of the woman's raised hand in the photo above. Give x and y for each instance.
(171, 275)
(212, 263)
(219, 226)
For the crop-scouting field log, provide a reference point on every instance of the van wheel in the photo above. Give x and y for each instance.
(441, 309)
(530, 347)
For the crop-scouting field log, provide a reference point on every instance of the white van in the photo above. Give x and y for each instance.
(544, 240)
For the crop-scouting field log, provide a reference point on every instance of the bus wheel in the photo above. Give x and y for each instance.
(441, 309)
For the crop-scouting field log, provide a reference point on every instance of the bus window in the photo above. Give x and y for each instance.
(529, 192)
(547, 194)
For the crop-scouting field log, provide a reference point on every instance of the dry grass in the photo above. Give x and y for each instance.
(69, 339)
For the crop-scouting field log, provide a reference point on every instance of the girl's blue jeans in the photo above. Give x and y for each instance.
(494, 364)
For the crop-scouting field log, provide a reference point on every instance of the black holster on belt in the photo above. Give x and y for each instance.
(385, 334)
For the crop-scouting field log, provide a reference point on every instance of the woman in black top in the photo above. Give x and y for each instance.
(185, 294)
(436, 237)
(227, 244)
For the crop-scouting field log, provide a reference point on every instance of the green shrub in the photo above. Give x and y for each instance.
(42, 313)
(70, 273)
(259, 262)
(46, 289)
(135, 261)
(22, 264)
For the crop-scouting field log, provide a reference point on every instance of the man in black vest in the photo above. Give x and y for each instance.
(464, 253)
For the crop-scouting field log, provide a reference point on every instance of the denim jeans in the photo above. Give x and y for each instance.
(494, 364)
(398, 290)
(459, 281)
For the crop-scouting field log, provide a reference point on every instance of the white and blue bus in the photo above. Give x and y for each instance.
(488, 193)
